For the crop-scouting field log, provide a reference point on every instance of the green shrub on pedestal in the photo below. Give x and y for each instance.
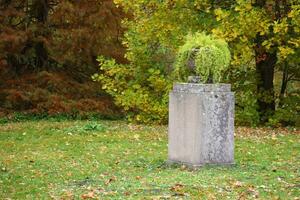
(204, 56)
(141, 89)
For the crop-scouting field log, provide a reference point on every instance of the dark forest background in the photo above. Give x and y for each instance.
(48, 51)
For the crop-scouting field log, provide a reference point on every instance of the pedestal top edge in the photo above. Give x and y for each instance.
(196, 87)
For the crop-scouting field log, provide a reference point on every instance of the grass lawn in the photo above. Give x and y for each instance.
(115, 160)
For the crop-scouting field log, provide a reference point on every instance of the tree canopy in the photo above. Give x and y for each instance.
(263, 37)
(43, 34)
(48, 51)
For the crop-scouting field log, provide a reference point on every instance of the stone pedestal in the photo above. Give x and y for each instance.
(201, 124)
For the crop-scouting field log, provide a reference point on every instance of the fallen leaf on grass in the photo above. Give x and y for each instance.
(161, 197)
(126, 193)
(90, 195)
(67, 195)
(254, 192)
(179, 194)
(183, 167)
(136, 137)
(111, 193)
(134, 127)
(4, 169)
(238, 184)
(177, 187)
(110, 180)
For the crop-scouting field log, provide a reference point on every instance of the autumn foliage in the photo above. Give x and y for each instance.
(57, 42)
(48, 51)
(54, 94)
(263, 38)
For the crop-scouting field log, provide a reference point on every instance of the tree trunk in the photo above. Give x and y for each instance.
(40, 12)
(13, 63)
(284, 83)
(265, 65)
(41, 55)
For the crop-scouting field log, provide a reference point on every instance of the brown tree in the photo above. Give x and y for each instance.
(42, 34)
(48, 51)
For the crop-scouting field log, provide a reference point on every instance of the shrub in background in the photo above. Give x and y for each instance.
(54, 94)
(143, 96)
(289, 113)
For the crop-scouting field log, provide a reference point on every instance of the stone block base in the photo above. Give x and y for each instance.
(201, 124)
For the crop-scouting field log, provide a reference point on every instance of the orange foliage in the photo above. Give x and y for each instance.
(65, 45)
(53, 94)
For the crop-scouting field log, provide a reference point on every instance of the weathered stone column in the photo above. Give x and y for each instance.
(201, 124)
